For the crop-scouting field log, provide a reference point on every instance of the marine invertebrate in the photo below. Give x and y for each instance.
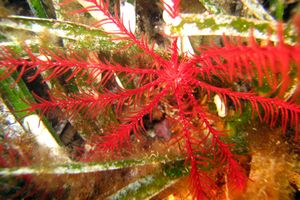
(172, 82)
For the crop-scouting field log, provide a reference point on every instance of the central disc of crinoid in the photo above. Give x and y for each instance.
(178, 73)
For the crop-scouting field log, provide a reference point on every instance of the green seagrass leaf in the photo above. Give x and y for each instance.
(218, 25)
(143, 188)
(255, 8)
(14, 99)
(88, 167)
(83, 35)
(151, 185)
(12, 96)
(277, 8)
(37, 8)
(212, 6)
(2, 37)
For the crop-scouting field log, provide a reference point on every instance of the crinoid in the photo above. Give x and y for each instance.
(173, 82)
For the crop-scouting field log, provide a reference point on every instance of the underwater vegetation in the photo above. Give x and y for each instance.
(160, 108)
